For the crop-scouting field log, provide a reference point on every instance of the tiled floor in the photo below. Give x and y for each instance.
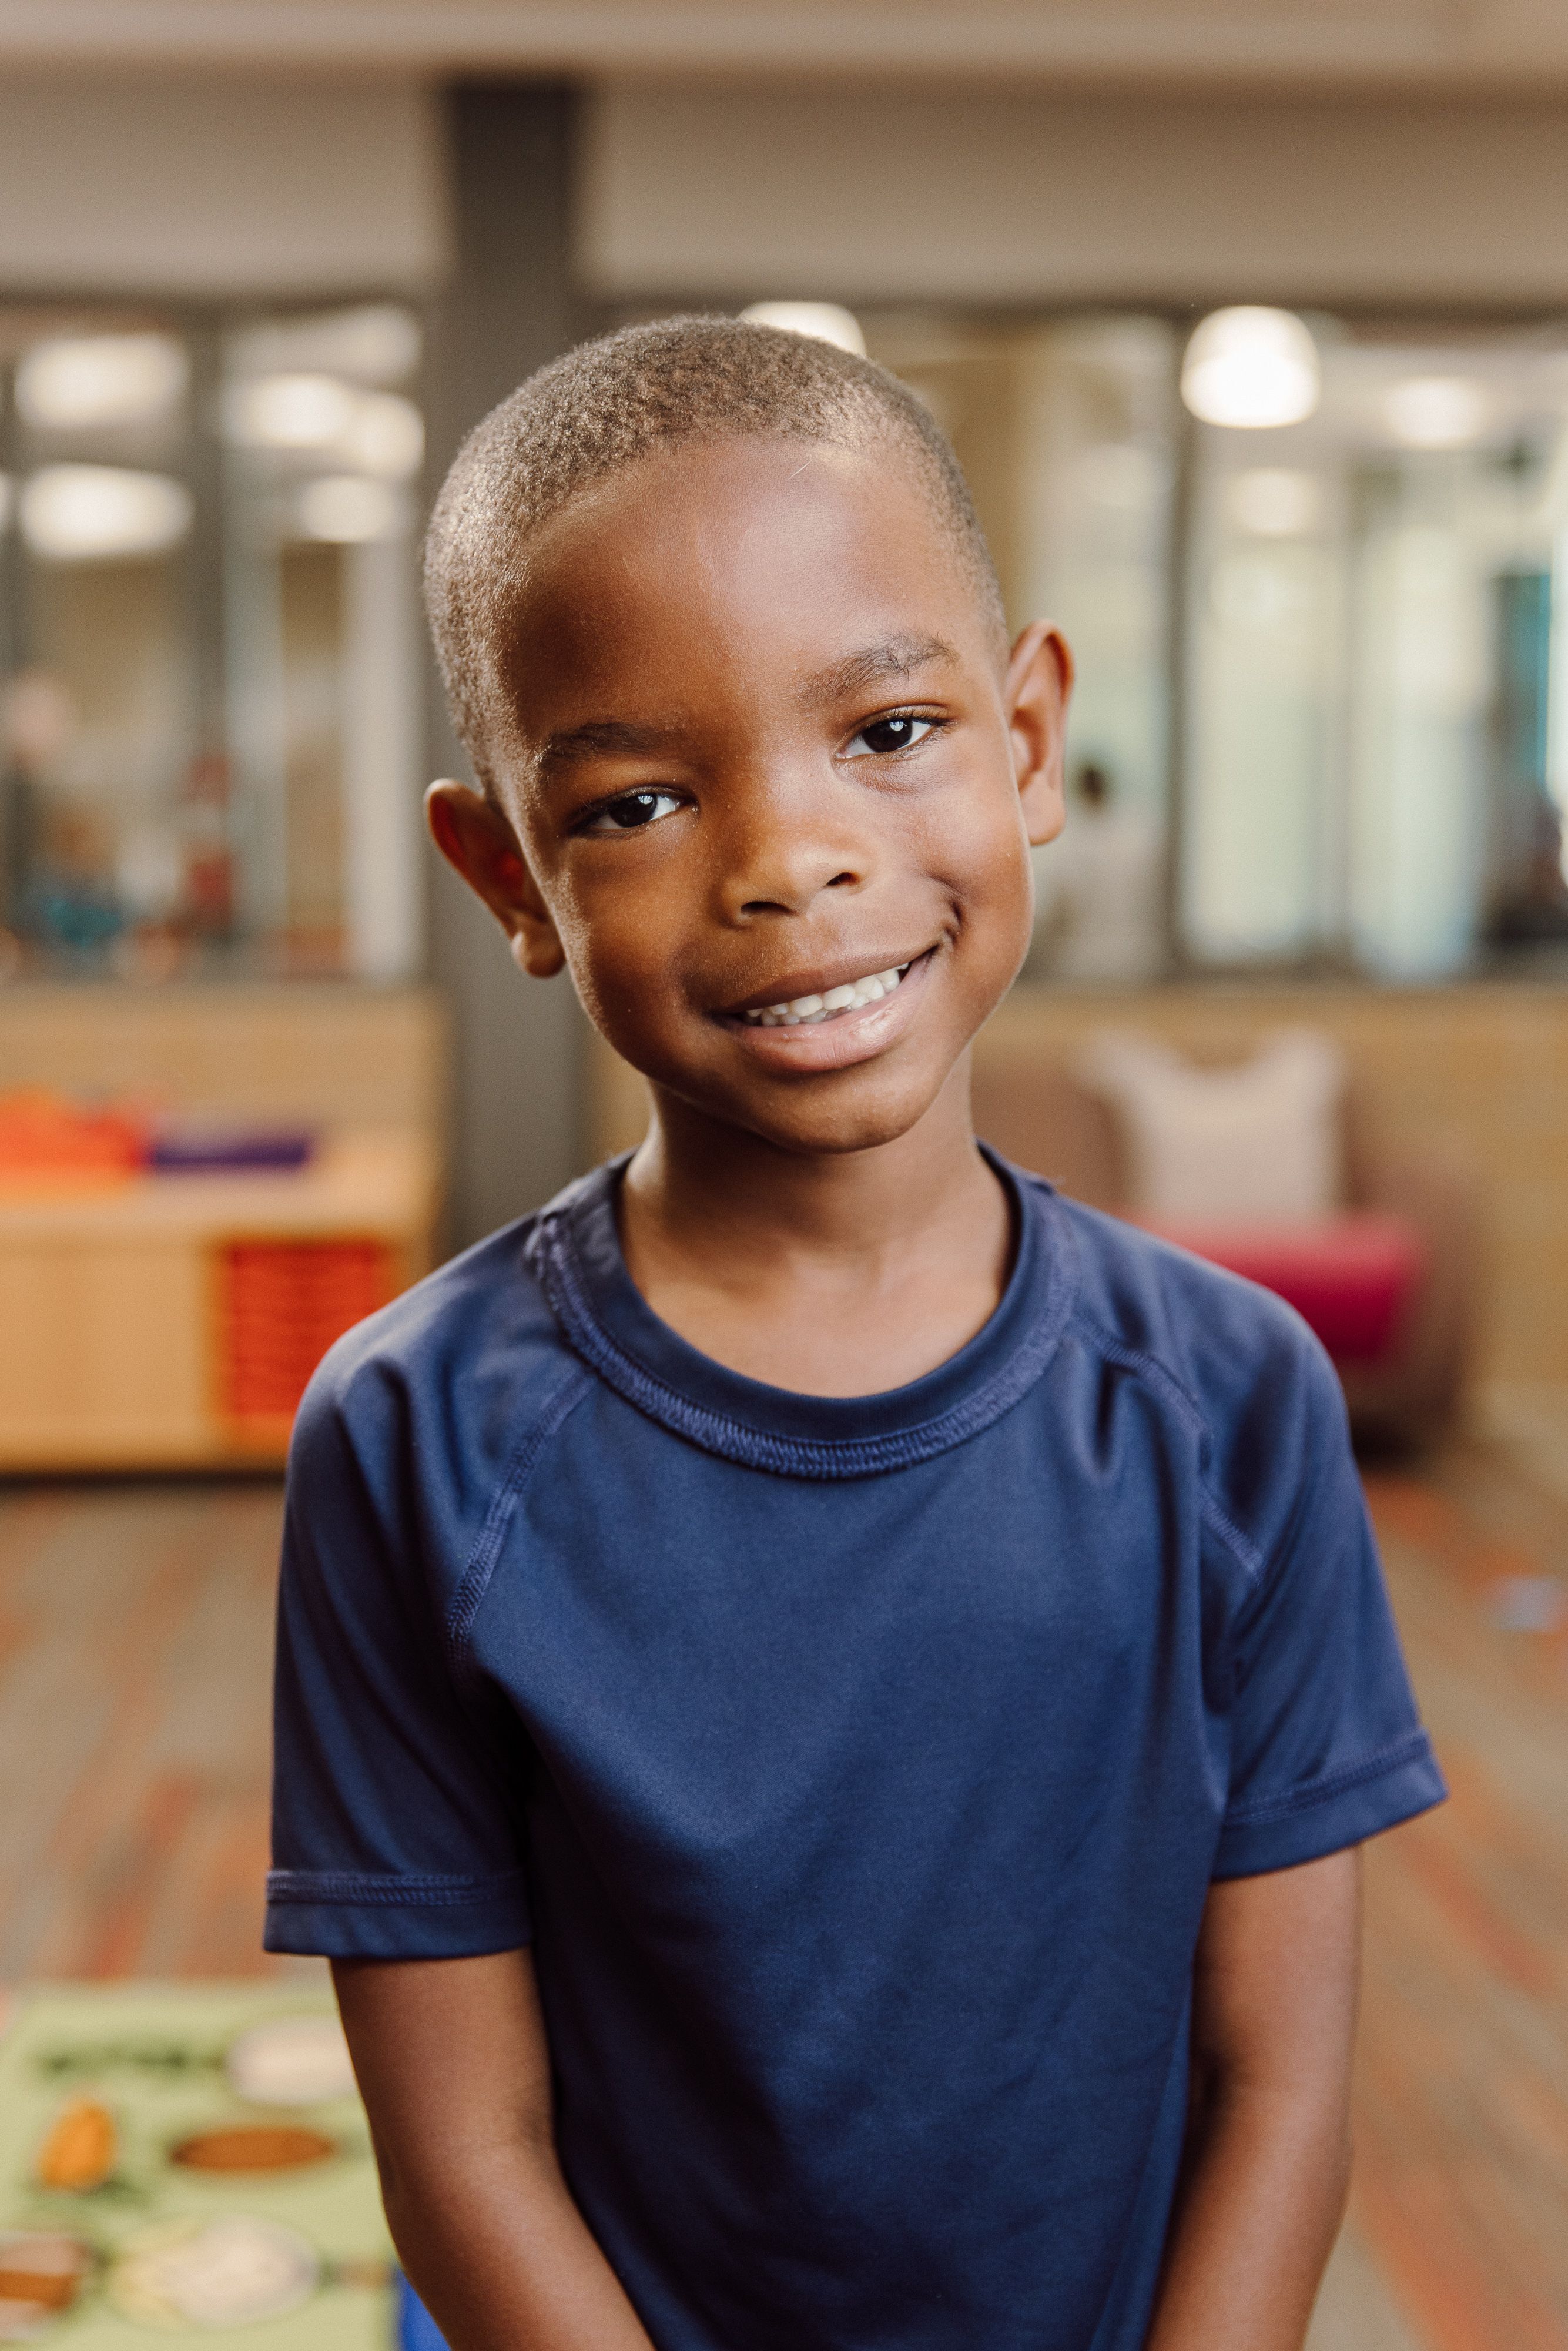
(134, 1647)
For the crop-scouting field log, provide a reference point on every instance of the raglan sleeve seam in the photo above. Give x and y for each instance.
(1148, 1367)
(481, 1561)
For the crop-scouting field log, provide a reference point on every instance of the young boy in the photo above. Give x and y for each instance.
(826, 1694)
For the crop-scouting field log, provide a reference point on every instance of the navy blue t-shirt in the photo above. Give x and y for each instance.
(856, 1768)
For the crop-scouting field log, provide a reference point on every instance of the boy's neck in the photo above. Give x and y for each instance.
(834, 1273)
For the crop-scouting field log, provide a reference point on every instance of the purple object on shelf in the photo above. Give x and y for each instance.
(229, 1150)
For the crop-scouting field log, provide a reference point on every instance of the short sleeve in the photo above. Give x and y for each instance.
(393, 1835)
(1326, 1746)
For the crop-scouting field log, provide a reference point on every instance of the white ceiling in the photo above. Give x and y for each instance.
(1460, 46)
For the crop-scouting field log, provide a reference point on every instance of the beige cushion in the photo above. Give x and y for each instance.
(1256, 1142)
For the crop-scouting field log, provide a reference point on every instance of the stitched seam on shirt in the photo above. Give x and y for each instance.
(1411, 1749)
(829, 1457)
(486, 1551)
(835, 1457)
(1133, 1359)
(353, 1886)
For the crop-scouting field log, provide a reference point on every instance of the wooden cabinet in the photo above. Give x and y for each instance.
(129, 1336)
(168, 1321)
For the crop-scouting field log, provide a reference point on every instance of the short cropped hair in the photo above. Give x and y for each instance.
(622, 398)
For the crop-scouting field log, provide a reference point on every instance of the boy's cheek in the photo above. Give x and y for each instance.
(625, 970)
(593, 921)
(978, 855)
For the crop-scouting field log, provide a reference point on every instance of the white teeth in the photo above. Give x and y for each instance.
(805, 1012)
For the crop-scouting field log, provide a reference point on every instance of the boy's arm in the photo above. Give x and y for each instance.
(1268, 2164)
(454, 2072)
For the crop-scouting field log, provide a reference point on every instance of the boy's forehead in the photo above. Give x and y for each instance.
(788, 557)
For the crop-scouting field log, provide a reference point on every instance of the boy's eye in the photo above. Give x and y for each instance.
(898, 732)
(631, 811)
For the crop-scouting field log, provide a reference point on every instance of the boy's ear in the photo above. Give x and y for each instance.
(476, 839)
(1035, 692)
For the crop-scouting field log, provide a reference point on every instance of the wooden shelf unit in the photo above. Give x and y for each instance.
(115, 1305)
(161, 1323)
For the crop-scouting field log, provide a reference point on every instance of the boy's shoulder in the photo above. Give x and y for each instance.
(448, 1379)
(1230, 1359)
(1212, 1331)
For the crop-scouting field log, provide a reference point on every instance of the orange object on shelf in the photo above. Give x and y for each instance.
(47, 1139)
(282, 1304)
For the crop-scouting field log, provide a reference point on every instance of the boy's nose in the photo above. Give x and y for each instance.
(781, 862)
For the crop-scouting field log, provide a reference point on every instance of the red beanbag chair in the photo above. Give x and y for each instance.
(1349, 1278)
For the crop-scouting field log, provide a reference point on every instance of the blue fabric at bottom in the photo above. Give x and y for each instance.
(416, 2330)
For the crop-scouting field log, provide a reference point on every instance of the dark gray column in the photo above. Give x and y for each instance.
(518, 1120)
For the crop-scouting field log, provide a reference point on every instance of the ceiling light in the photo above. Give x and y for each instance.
(824, 322)
(1275, 502)
(345, 510)
(86, 514)
(1435, 411)
(290, 411)
(385, 435)
(1251, 368)
(78, 381)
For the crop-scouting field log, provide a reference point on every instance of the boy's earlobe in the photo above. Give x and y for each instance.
(478, 841)
(1036, 692)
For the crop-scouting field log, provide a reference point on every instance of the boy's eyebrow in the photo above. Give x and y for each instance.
(601, 738)
(895, 657)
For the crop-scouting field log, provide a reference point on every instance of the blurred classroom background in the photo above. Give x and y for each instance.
(1249, 321)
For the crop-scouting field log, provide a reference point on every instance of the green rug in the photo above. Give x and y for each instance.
(186, 2160)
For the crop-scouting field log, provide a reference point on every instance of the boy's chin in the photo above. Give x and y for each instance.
(828, 1121)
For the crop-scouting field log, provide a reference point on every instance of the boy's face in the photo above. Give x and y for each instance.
(762, 748)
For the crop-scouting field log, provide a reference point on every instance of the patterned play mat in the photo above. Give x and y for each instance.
(189, 2160)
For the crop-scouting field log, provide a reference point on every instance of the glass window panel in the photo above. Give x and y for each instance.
(114, 824)
(325, 445)
(211, 708)
(1376, 663)
(1265, 631)
(101, 728)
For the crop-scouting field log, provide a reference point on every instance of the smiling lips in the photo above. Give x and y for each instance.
(809, 1011)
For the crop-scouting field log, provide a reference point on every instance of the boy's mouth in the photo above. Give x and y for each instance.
(811, 1011)
(826, 1028)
